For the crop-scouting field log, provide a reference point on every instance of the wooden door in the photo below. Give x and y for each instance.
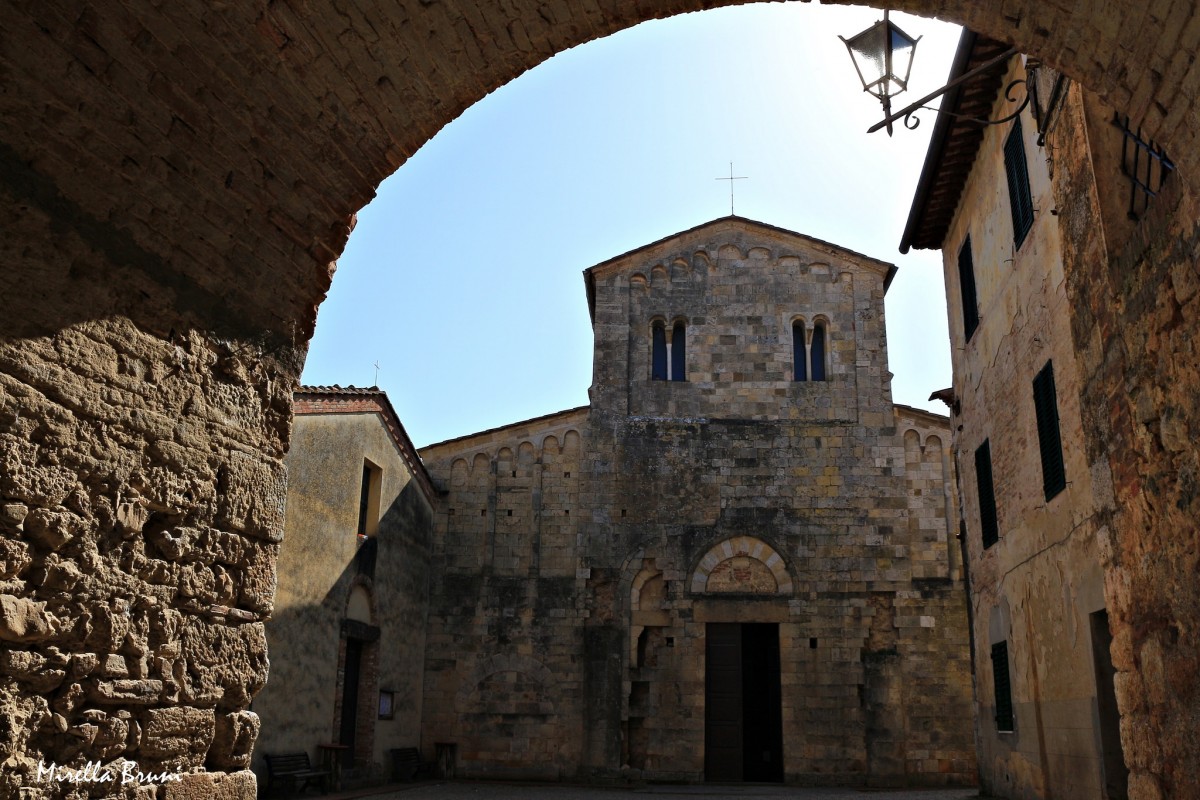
(762, 705)
(354, 648)
(743, 716)
(723, 702)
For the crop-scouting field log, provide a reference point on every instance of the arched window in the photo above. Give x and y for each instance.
(799, 352)
(818, 352)
(658, 369)
(678, 352)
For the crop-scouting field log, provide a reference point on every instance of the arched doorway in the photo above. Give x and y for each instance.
(358, 679)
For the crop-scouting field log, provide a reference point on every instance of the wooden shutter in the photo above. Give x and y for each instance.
(988, 526)
(1020, 199)
(1045, 401)
(966, 284)
(1002, 687)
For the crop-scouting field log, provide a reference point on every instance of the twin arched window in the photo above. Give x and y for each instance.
(808, 354)
(675, 355)
(669, 361)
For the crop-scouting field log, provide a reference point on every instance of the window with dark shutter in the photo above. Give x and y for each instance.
(1020, 199)
(368, 500)
(1002, 687)
(1045, 401)
(679, 352)
(658, 336)
(988, 527)
(799, 352)
(364, 500)
(818, 352)
(966, 284)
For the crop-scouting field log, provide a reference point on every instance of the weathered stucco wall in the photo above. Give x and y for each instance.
(834, 529)
(1037, 585)
(321, 563)
(1059, 561)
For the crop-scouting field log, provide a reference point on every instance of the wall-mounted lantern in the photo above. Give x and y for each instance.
(883, 56)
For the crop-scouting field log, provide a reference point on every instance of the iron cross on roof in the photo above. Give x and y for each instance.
(731, 179)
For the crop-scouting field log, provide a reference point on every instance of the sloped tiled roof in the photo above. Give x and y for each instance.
(498, 428)
(955, 143)
(358, 400)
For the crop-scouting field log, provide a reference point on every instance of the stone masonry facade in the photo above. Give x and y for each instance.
(581, 559)
(177, 183)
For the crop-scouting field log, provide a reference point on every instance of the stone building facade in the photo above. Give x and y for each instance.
(169, 235)
(1016, 208)
(736, 563)
(347, 637)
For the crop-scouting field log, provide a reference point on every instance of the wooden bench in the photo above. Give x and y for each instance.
(296, 770)
(407, 764)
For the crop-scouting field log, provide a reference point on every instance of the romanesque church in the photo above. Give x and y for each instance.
(736, 563)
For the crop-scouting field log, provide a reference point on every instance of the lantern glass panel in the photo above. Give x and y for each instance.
(869, 50)
(902, 55)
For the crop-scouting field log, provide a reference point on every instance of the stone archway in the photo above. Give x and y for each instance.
(177, 183)
(742, 565)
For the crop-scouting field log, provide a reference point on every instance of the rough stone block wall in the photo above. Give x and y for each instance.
(503, 677)
(738, 296)
(846, 558)
(1134, 328)
(932, 494)
(836, 532)
(142, 493)
(120, 227)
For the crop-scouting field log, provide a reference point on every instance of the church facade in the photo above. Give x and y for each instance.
(736, 563)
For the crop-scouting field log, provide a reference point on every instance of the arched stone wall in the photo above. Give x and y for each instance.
(177, 183)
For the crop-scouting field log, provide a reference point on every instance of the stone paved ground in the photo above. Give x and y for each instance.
(511, 791)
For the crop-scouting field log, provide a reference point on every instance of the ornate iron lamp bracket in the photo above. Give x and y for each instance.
(911, 122)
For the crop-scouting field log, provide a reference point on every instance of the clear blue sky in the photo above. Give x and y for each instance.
(463, 278)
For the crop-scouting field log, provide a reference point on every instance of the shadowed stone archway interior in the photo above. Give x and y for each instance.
(177, 184)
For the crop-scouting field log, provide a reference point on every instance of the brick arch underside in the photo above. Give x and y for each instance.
(177, 184)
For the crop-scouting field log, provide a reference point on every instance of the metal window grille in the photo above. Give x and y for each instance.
(1144, 163)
